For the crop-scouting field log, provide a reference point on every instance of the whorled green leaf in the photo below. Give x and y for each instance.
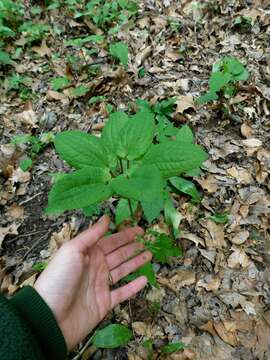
(111, 133)
(123, 211)
(145, 270)
(144, 184)
(112, 336)
(152, 208)
(80, 149)
(136, 135)
(185, 134)
(79, 190)
(173, 157)
(172, 216)
(187, 187)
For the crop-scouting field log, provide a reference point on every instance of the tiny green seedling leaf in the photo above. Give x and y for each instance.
(80, 91)
(163, 248)
(26, 164)
(39, 266)
(220, 218)
(172, 347)
(119, 51)
(187, 187)
(112, 336)
(59, 83)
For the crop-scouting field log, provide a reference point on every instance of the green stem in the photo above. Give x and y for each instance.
(121, 166)
(130, 210)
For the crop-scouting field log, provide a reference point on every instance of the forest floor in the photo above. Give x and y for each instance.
(216, 297)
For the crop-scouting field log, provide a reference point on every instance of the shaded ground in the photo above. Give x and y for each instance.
(216, 298)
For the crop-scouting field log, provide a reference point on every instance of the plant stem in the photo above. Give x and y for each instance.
(130, 209)
(121, 166)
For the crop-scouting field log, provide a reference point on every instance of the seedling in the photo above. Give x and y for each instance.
(35, 144)
(108, 14)
(242, 22)
(119, 51)
(224, 79)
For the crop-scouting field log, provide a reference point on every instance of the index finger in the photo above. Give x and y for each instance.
(113, 242)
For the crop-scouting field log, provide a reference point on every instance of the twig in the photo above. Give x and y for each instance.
(35, 244)
(31, 198)
(86, 345)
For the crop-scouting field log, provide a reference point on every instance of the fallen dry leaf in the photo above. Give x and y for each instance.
(184, 102)
(8, 230)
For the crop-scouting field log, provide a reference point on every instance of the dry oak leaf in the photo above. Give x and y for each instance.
(43, 49)
(240, 238)
(209, 183)
(214, 238)
(180, 279)
(27, 117)
(252, 143)
(242, 175)
(184, 102)
(8, 230)
(227, 336)
(238, 259)
(15, 211)
(148, 330)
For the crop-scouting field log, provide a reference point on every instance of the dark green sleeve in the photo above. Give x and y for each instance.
(28, 329)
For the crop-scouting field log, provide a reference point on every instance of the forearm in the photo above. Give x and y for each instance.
(28, 329)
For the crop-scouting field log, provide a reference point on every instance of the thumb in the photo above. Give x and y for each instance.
(90, 236)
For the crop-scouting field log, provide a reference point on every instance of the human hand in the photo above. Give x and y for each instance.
(76, 283)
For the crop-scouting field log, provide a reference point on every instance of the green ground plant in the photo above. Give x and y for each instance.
(225, 76)
(130, 164)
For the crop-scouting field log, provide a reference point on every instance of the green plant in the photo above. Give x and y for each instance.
(33, 31)
(35, 144)
(107, 14)
(161, 111)
(112, 336)
(119, 51)
(128, 163)
(242, 22)
(172, 347)
(59, 83)
(224, 78)
(123, 163)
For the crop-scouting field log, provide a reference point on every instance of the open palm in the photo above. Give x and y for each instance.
(76, 283)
